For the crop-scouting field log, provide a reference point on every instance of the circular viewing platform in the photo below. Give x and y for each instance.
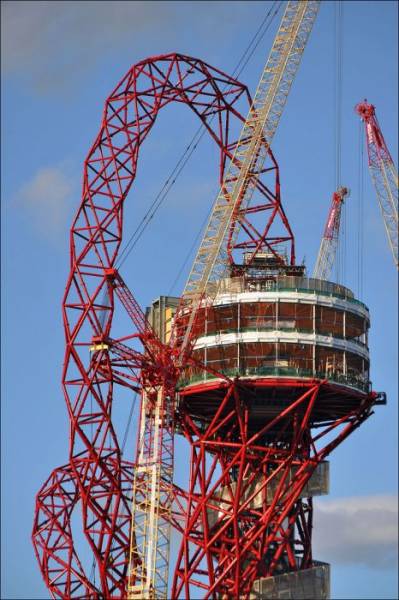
(285, 327)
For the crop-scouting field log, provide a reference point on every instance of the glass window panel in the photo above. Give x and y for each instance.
(355, 326)
(329, 321)
(258, 315)
(329, 361)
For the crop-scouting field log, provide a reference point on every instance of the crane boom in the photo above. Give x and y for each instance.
(154, 466)
(328, 246)
(250, 153)
(256, 137)
(383, 174)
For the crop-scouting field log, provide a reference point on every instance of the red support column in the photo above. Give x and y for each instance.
(246, 516)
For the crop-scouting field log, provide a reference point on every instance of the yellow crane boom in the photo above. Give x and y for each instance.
(256, 137)
(149, 539)
(250, 153)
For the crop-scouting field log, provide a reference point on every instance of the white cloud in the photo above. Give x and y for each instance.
(359, 530)
(45, 201)
(50, 43)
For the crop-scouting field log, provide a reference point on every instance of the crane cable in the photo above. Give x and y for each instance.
(337, 84)
(197, 137)
(160, 197)
(181, 163)
(360, 210)
(193, 245)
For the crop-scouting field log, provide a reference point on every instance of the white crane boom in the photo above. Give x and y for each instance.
(250, 153)
(150, 534)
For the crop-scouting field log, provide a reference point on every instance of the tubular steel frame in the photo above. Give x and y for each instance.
(247, 542)
(222, 556)
(96, 476)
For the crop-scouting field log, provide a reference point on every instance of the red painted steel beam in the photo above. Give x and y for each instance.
(227, 545)
(95, 472)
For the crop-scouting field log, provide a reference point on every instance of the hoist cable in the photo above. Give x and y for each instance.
(193, 245)
(337, 100)
(129, 422)
(359, 141)
(198, 135)
(361, 219)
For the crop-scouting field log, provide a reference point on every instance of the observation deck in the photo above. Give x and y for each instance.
(290, 327)
(289, 330)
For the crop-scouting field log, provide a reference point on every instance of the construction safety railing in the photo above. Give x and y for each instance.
(357, 382)
(308, 284)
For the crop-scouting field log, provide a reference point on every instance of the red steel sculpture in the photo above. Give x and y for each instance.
(255, 441)
(96, 476)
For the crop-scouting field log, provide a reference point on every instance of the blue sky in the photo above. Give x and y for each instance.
(60, 60)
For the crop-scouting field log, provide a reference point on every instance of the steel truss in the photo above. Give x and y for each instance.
(243, 516)
(95, 365)
(226, 450)
(383, 174)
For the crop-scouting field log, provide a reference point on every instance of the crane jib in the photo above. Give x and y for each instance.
(246, 164)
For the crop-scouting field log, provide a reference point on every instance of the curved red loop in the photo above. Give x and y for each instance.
(95, 476)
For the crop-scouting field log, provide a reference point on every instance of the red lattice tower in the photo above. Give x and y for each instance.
(96, 476)
(252, 447)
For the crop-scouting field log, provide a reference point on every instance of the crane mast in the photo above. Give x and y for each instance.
(251, 150)
(149, 537)
(383, 173)
(329, 242)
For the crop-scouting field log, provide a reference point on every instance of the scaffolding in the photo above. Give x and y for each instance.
(307, 584)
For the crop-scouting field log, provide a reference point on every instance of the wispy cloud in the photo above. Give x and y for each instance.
(41, 41)
(46, 201)
(358, 530)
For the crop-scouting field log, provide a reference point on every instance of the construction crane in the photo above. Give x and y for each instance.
(383, 173)
(239, 183)
(329, 243)
(96, 472)
(215, 250)
(236, 191)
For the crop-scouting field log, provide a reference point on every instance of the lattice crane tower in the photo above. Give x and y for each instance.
(329, 242)
(230, 212)
(383, 174)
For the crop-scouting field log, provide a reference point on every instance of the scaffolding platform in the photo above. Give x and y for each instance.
(307, 584)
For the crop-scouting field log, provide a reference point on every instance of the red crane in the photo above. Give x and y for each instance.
(329, 242)
(383, 173)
